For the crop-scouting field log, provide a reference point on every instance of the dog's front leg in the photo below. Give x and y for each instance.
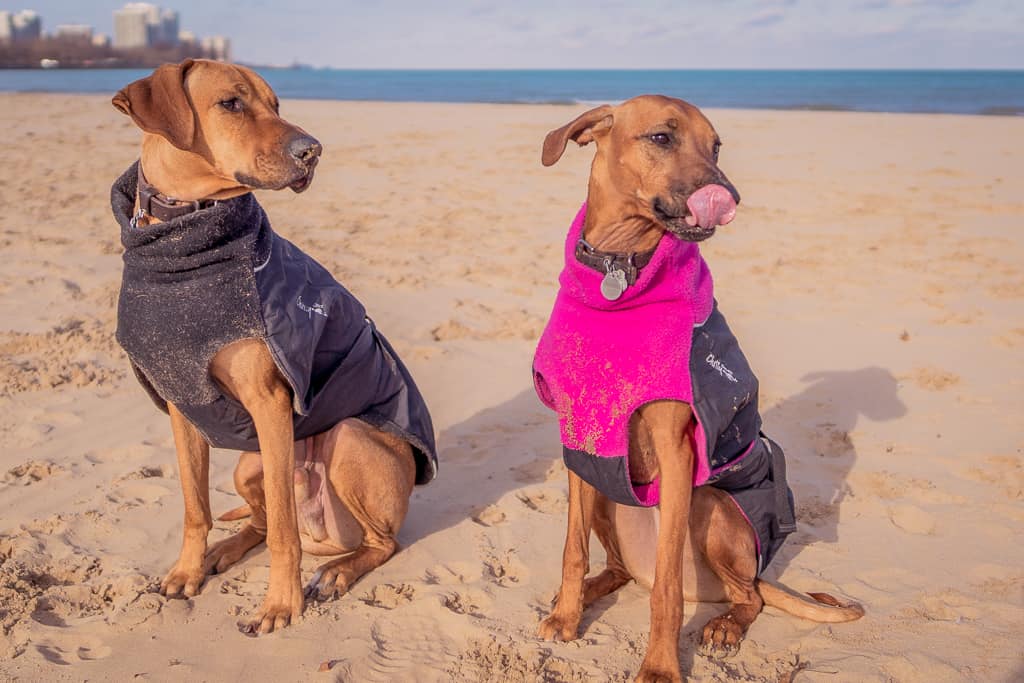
(247, 371)
(667, 423)
(564, 620)
(284, 600)
(186, 576)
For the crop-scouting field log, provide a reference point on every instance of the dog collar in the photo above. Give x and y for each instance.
(607, 262)
(162, 207)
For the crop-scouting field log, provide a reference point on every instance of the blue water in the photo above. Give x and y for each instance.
(959, 92)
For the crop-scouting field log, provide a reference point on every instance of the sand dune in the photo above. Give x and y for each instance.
(873, 276)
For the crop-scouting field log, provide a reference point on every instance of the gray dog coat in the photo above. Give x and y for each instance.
(197, 283)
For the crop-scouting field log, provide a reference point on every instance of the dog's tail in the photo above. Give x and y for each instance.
(822, 608)
(240, 512)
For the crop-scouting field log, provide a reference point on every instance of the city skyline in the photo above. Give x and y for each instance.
(600, 33)
(137, 26)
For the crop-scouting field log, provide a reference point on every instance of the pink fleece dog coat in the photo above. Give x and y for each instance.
(598, 361)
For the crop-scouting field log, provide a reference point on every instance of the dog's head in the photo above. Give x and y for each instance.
(226, 115)
(658, 155)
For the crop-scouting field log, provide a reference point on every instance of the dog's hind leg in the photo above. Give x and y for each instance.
(615, 575)
(249, 484)
(725, 539)
(372, 473)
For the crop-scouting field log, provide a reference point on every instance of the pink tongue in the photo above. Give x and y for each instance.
(711, 205)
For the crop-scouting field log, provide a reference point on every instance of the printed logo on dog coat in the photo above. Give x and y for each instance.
(720, 367)
(311, 309)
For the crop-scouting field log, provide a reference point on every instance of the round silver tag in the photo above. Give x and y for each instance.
(613, 285)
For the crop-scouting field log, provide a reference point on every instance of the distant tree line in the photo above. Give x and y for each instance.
(81, 53)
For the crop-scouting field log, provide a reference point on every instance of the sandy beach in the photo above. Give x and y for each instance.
(873, 276)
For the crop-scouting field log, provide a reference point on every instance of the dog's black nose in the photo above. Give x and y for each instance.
(304, 148)
(732, 189)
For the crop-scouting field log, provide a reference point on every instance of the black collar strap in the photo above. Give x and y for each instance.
(164, 208)
(605, 261)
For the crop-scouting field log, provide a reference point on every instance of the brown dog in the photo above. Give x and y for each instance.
(327, 476)
(656, 172)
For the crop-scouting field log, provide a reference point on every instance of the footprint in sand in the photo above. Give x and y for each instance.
(136, 452)
(147, 472)
(474, 603)
(505, 570)
(91, 652)
(250, 582)
(912, 519)
(931, 379)
(67, 651)
(453, 573)
(28, 434)
(30, 472)
(546, 500)
(389, 596)
(829, 441)
(135, 493)
(492, 515)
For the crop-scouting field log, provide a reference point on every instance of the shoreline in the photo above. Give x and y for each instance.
(1008, 113)
(969, 92)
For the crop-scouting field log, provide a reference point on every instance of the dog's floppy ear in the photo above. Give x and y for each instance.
(580, 130)
(158, 104)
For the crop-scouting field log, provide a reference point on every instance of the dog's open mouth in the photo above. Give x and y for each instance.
(691, 233)
(305, 180)
(706, 209)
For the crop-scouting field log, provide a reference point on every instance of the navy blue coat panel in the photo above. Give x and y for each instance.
(197, 283)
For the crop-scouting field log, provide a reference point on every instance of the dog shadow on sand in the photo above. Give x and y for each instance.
(500, 449)
(515, 445)
(814, 428)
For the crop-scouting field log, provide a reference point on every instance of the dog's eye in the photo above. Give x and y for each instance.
(233, 105)
(715, 150)
(661, 139)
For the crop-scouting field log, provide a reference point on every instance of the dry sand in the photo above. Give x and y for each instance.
(873, 275)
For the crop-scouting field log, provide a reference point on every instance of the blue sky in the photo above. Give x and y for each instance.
(597, 33)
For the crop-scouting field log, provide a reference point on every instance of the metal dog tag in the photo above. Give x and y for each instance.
(613, 284)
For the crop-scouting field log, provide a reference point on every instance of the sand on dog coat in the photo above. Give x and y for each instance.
(194, 284)
(598, 361)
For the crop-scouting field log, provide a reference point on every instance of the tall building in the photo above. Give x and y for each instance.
(6, 28)
(26, 26)
(217, 47)
(80, 32)
(166, 30)
(132, 25)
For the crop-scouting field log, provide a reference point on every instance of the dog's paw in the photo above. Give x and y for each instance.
(182, 581)
(654, 674)
(327, 582)
(224, 554)
(281, 608)
(660, 665)
(557, 627)
(721, 637)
